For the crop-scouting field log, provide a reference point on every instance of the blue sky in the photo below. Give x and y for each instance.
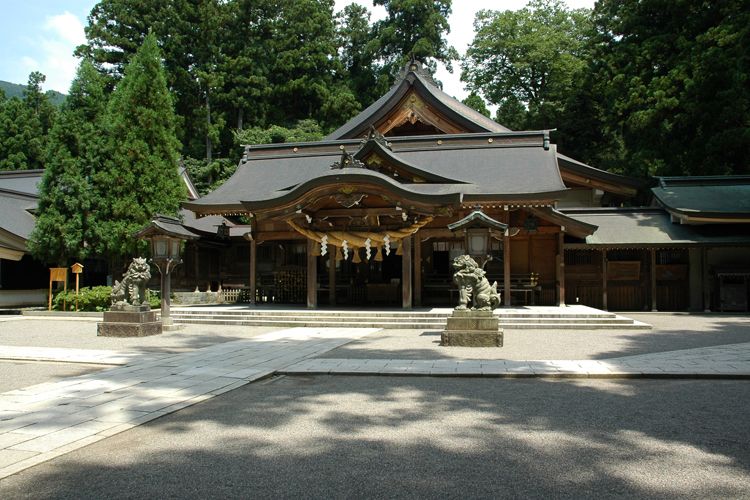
(40, 35)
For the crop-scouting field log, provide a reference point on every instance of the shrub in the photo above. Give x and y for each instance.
(89, 299)
(95, 298)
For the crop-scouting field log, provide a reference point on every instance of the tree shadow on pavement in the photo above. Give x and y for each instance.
(401, 437)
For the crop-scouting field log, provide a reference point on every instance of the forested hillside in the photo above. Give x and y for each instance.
(16, 90)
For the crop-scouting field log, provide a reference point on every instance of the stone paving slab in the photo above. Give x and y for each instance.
(729, 361)
(41, 422)
(66, 355)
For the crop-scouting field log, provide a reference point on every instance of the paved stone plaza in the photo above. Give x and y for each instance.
(94, 388)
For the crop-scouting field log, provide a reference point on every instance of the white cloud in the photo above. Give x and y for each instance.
(29, 63)
(67, 27)
(60, 36)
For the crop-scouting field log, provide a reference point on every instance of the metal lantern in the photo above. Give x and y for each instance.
(166, 235)
(477, 228)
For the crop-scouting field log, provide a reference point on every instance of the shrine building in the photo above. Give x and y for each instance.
(361, 218)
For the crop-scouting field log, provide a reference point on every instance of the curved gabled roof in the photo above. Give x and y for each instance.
(520, 172)
(415, 77)
(439, 194)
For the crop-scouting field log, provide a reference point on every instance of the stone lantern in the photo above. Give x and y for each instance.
(166, 235)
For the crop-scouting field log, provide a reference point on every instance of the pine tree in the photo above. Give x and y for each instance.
(65, 223)
(140, 177)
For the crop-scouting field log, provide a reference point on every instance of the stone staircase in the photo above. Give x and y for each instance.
(545, 318)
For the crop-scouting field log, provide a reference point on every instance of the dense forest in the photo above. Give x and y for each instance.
(641, 87)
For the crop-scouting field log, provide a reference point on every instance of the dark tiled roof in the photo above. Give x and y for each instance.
(170, 226)
(588, 171)
(725, 196)
(651, 227)
(471, 170)
(16, 218)
(425, 88)
(21, 181)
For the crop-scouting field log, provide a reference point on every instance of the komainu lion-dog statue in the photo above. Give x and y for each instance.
(470, 279)
(132, 289)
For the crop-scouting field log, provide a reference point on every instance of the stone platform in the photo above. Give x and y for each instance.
(469, 328)
(131, 321)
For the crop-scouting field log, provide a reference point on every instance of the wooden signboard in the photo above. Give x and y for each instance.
(77, 269)
(57, 274)
(671, 272)
(624, 270)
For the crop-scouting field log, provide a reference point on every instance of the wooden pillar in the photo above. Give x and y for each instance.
(196, 268)
(604, 279)
(560, 269)
(506, 269)
(653, 279)
(417, 270)
(312, 276)
(706, 281)
(253, 270)
(332, 274)
(406, 290)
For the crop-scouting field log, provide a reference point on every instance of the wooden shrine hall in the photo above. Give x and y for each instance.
(361, 217)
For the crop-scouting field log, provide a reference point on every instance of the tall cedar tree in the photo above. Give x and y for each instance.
(254, 63)
(358, 54)
(413, 28)
(306, 76)
(140, 177)
(65, 224)
(24, 125)
(674, 77)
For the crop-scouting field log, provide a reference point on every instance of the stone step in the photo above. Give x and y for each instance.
(311, 323)
(635, 325)
(384, 314)
(362, 322)
(403, 319)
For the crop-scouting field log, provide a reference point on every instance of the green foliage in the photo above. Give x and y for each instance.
(250, 62)
(140, 177)
(95, 298)
(475, 102)
(66, 221)
(24, 124)
(359, 54)
(303, 131)
(413, 28)
(672, 81)
(207, 176)
(532, 56)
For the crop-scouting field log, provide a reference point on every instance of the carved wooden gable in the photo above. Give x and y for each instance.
(414, 116)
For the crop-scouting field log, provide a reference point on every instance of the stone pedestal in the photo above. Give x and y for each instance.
(129, 321)
(468, 328)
